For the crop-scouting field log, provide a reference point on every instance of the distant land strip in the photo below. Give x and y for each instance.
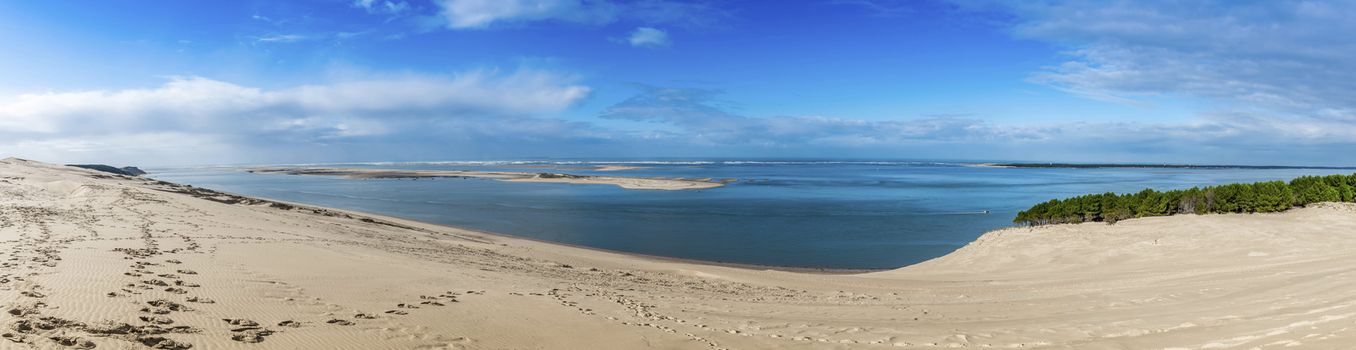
(626, 182)
(1162, 166)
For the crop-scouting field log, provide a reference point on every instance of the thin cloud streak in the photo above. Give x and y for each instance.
(1281, 56)
(484, 14)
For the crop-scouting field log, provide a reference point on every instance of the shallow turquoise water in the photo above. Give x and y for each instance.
(825, 214)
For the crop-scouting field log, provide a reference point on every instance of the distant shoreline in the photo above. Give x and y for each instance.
(620, 165)
(1152, 166)
(626, 182)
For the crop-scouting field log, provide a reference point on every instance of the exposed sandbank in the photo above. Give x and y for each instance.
(631, 183)
(617, 167)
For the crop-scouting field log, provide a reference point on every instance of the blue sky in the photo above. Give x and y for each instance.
(162, 83)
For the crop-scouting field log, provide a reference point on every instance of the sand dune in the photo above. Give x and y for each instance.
(89, 260)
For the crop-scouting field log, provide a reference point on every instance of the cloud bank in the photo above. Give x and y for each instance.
(698, 117)
(217, 115)
(486, 115)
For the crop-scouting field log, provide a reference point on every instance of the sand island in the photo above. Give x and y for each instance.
(626, 182)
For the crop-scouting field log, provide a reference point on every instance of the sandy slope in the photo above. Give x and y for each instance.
(94, 260)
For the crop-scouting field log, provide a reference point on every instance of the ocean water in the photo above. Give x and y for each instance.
(816, 214)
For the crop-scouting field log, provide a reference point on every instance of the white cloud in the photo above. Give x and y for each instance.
(648, 37)
(282, 38)
(465, 14)
(481, 14)
(382, 7)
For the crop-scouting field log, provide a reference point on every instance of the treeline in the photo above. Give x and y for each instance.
(1260, 197)
(1158, 166)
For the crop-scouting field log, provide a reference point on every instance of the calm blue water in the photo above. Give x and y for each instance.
(797, 213)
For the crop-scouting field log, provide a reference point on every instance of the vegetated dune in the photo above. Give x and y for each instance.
(93, 260)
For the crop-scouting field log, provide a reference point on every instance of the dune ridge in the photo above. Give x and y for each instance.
(92, 260)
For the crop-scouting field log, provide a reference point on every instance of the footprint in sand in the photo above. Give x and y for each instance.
(156, 319)
(161, 307)
(13, 337)
(252, 335)
(340, 322)
(247, 331)
(163, 343)
(240, 322)
(75, 342)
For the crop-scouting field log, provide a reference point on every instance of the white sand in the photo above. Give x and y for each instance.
(84, 256)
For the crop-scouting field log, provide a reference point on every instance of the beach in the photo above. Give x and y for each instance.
(94, 260)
